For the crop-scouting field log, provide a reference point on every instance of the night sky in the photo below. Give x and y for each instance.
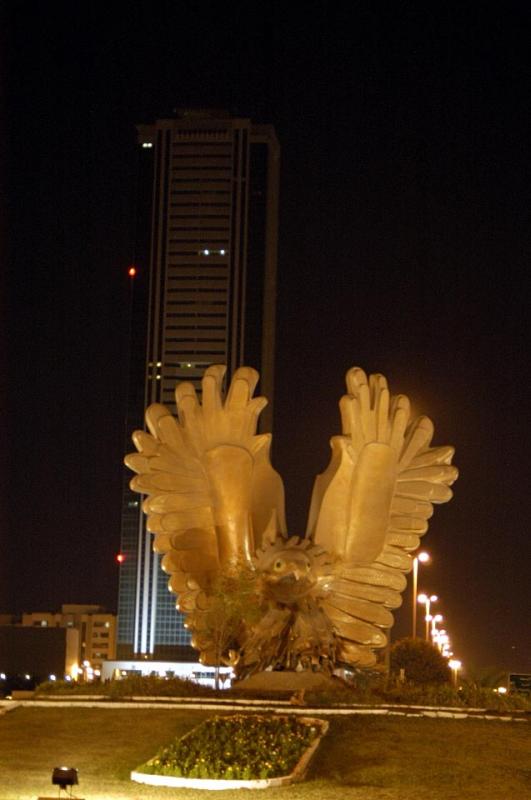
(404, 249)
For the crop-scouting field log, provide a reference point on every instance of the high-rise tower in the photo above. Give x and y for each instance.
(208, 194)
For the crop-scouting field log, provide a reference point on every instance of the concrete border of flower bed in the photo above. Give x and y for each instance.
(210, 784)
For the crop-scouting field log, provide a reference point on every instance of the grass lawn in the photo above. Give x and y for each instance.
(362, 758)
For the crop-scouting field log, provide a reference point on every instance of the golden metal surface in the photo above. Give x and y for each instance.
(253, 597)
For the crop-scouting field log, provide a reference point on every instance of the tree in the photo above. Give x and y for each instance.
(421, 661)
(234, 604)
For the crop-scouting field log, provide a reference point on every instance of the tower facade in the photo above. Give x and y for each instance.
(204, 294)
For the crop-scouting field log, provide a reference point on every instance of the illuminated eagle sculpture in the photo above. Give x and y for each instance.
(216, 507)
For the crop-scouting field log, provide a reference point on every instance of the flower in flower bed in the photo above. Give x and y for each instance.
(239, 747)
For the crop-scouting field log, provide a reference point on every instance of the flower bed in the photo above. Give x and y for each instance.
(235, 752)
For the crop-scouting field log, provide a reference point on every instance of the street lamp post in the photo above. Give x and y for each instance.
(422, 558)
(434, 630)
(455, 666)
(442, 640)
(426, 601)
(445, 650)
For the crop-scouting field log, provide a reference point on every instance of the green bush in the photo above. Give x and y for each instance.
(67, 688)
(132, 685)
(153, 686)
(420, 661)
(235, 748)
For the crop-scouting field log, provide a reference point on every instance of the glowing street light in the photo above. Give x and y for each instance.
(426, 602)
(422, 558)
(434, 620)
(442, 640)
(455, 666)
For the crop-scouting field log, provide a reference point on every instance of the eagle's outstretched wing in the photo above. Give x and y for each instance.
(211, 490)
(370, 507)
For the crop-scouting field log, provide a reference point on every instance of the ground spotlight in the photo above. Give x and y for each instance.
(65, 778)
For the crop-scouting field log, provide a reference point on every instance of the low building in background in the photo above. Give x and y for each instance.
(185, 670)
(30, 655)
(96, 633)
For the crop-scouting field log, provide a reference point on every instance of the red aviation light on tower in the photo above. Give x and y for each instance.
(132, 271)
(120, 558)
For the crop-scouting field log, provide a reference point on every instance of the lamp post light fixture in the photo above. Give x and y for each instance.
(445, 646)
(426, 601)
(455, 666)
(422, 558)
(434, 620)
(442, 640)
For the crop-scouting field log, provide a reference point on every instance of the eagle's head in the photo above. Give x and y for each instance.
(291, 568)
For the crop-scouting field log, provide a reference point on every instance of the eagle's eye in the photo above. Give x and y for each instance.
(279, 565)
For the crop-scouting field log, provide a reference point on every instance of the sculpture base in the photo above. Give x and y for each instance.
(286, 681)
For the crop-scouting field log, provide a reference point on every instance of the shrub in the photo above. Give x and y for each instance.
(132, 685)
(421, 661)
